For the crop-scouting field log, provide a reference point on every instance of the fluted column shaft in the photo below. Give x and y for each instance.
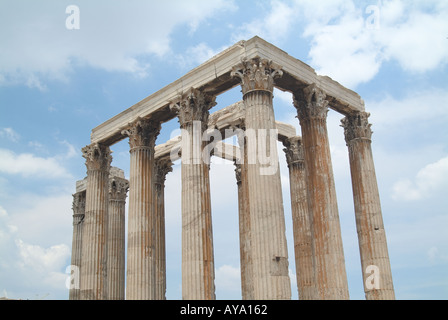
(267, 222)
(94, 234)
(116, 238)
(247, 284)
(162, 167)
(329, 262)
(300, 219)
(79, 206)
(247, 287)
(141, 259)
(376, 270)
(198, 272)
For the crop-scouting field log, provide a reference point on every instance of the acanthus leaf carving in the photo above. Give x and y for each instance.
(294, 151)
(357, 126)
(257, 74)
(98, 157)
(118, 188)
(162, 167)
(142, 132)
(194, 105)
(79, 207)
(311, 103)
(238, 171)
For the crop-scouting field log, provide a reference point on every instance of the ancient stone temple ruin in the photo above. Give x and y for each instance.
(98, 252)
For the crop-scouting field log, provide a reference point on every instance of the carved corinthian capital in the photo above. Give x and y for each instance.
(257, 74)
(357, 126)
(294, 151)
(162, 166)
(142, 133)
(98, 157)
(193, 106)
(79, 207)
(118, 187)
(238, 169)
(310, 103)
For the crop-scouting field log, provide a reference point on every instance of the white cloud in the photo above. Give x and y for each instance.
(430, 180)
(417, 106)
(341, 45)
(344, 47)
(3, 212)
(286, 98)
(272, 27)
(436, 256)
(322, 12)
(42, 219)
(71, 150)
(28, 268)
(344, 53)
(34, 270)
(197, 55)
(5, 227)
(228, 279)
(27, 165)
(36, 145)
(36, 44)
(412, 238)
(9, 134)
(42, 259)
(415, 38)
(32, 81)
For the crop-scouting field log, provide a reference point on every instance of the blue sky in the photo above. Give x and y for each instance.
(57, 84)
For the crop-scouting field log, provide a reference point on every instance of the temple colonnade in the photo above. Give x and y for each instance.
(99, 203)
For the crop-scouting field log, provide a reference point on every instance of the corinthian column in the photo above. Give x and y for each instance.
(197, 236)
(94, 234)
(247, 284)
(118, 187)
(267, 221)
(247, 287)
(162, 167)
(79, 207)
(141, 259)
(300, 219)
(329, 262)
(376, 270)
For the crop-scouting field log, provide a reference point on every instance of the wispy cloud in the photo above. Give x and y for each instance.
(71, 150)
(28, 265)
(344, 47)
(228, 280)
(274, 26)
(29, 165)
(429, 181)
(111, 38)
(9, 134)
(196, 55)
(419, 106)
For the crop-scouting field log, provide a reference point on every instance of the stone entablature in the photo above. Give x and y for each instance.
(214, 77)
